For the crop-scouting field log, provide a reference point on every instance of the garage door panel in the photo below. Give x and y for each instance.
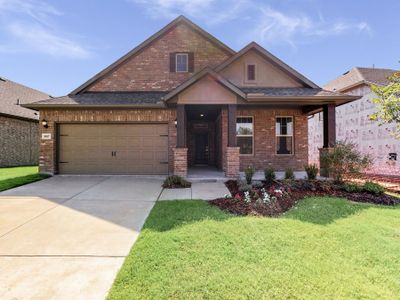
(138, 148)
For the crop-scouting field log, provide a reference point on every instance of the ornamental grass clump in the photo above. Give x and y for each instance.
(269, 175)
(249, 173)
(289, 174)
(312, 171)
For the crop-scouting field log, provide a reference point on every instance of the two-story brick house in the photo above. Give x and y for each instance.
(183, 98)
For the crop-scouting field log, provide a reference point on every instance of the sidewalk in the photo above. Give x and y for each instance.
(199, 191)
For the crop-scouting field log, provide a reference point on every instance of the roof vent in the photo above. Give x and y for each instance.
(18, 102)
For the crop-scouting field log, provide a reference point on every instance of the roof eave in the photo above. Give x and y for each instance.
(19, 117)
(67, 106)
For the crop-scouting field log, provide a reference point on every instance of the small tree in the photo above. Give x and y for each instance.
(345, 160)
(388, 102)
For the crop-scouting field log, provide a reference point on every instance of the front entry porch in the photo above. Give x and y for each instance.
(206, 141)
(206, 137)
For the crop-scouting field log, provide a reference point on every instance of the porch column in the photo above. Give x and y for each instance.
(180, 126)
(232, 151)
(329, 125)
(232, 125)
(180, 152)
(329, 133)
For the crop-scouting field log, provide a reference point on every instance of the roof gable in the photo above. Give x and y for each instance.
(200, 75)
(276, 62)
(358, 76)
(179, 20)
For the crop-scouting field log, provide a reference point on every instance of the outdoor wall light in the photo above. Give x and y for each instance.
(176, 122)
(201, 115)
(45, 124)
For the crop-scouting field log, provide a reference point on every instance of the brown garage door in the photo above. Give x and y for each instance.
(113, 149)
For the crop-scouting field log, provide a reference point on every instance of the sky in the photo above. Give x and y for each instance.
(55, 46)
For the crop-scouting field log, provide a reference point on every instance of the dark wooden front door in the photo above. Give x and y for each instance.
(201, 149)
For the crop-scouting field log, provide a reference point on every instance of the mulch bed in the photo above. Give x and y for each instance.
(238, 206)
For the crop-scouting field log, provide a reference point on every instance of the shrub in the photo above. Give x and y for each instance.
(175, 181)
(243, 186)
(249, 173)
(257, 185)
(345, 160)
(352, 188)
(312, 171)
(269, 175)
(289, 174)
(373, 188)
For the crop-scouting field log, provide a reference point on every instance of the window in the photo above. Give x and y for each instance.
(244, 134)
(182, 62)
(284, 135)
(251, 72)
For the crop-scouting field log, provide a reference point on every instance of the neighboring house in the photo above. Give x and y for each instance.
(353, 122)
(19, 126)
(183, 98)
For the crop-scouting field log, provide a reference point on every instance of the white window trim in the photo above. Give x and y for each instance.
(187, 62)
(284, 135)
(247, 135)
(247, 80)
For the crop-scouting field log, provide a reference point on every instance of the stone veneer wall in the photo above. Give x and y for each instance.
(47, 159)
(19, 142)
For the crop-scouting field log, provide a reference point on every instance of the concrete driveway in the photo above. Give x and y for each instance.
(67, 236)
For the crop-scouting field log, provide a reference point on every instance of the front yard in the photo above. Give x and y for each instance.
(17, 176)
(321, 248)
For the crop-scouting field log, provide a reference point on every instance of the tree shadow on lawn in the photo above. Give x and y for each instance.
(167, 215)
(326, 210)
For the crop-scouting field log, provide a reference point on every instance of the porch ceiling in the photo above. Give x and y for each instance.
(202, 112)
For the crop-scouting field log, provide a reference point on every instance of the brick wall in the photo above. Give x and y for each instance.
(19, 142)
(149, 70)
(265, 141)
(47, 162)
(180, 161)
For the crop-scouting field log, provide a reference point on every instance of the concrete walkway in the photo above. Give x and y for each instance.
(66, 237)
(199, 191)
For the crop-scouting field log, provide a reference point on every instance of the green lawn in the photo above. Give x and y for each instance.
(16, 176)
(325, 248)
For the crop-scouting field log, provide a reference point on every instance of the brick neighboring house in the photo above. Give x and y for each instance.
(180, 99)
(19, 126)
(353, 123)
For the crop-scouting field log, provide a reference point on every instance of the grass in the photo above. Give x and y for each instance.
(17, 176)
(324, 248)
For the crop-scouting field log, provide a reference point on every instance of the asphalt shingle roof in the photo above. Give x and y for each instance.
(107, 98)
(13, 94)
(290, 92)
(359, 75)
